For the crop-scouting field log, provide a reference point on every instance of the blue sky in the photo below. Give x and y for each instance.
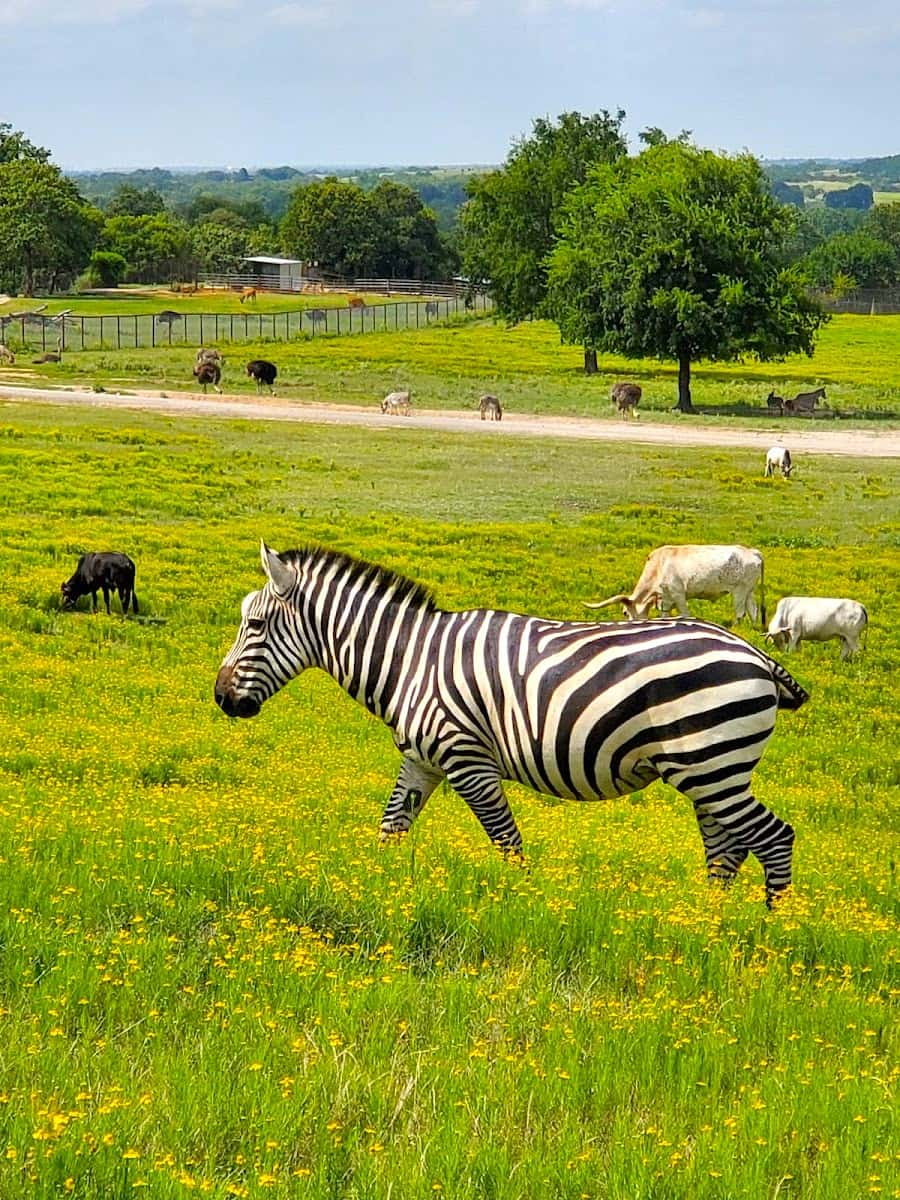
(107, 83)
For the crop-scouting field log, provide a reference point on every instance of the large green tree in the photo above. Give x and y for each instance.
(407, 242)
(859, 257)
(46, 228)
(510, 221)
(157, 248)
(332, 223)
(130, 201)
(679, 253)
(14, 146)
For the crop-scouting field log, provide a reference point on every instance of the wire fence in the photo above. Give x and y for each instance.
(125, 331)
(864, 302)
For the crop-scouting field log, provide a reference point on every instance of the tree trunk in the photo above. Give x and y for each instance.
(684, 384)
(590, 361)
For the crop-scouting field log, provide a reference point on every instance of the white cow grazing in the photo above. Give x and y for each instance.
(396, 403)
(817, 619)
(672, 575)
(779, 459)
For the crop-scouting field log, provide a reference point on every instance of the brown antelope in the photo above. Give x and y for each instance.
(247, 293)
(355, 302)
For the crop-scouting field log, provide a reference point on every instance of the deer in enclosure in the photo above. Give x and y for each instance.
(805, 402)
(626, 397)
(206, 371)
(355, 302)
(263, 372)
(775, 404)
(778, 458)
(397, 403)
(6, 355)
(490, 409)
(247, 293)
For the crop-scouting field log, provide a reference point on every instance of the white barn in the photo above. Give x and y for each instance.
(268, 271)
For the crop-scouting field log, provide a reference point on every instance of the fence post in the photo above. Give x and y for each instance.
(118, 332)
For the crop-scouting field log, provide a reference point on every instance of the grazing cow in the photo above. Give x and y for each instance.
(431, 308)
(817, 619)
(778, 458)
(6, 355)
(318, 316)
(672, 575)
(263, 372)
(805, 402)
(626, 397)
(397, 403)
(775, 404)
(108, 571)
(489, 407)
(206, 372)
(355, 302)
(247, 293)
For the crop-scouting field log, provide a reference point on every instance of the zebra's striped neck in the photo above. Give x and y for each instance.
(361, 622)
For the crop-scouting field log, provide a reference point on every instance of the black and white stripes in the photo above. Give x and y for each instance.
(577, 710)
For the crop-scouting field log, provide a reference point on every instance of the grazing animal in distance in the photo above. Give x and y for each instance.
(52, 356)
(778, 458)
(805, 402)
(775, 404)
(208, 372)
(490, 409)
(818, 619)
(167, 317)
(626, 397)
(247, 293)
(106, 571)
(355, 302)
(263, 372)
(397, 403)
(6, 355)
(573, 709)
(431, 308)
(672, 575)
(318, 316)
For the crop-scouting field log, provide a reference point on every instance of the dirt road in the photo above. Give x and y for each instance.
(850, 442)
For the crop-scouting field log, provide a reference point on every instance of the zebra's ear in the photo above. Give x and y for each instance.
(278, 573)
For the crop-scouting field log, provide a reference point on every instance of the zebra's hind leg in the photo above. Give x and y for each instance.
(480, 787)
(724, 856)
(753, 827)
(414, 785)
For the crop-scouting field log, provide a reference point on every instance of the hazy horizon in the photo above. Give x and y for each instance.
(117, 84)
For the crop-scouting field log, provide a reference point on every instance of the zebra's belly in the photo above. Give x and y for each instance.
(573, 785)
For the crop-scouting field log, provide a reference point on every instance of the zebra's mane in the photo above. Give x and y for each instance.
(360, 570)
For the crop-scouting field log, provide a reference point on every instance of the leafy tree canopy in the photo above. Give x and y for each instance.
(156, 247)
(860, 259)
(46, 228)
(15, 146)
(407, 242)
(859, 196)
(509, 222)
(332, 223)
(131, 201)
(680, 253)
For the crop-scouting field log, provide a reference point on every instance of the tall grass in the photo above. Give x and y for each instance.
(213, 979)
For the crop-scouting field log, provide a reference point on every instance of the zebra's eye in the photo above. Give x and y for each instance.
(256, 624)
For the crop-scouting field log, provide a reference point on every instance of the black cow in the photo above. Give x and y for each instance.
(263, 372)
(109, 570)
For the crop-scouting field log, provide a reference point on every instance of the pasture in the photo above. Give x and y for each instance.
(214, 980)
(449, 365)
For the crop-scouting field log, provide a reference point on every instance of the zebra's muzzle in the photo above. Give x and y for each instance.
(231, 704)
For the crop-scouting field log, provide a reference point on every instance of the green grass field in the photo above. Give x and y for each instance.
(214, 980)
(449, 365)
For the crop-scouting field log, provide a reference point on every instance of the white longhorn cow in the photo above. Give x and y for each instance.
(817, 619)
(672, 575)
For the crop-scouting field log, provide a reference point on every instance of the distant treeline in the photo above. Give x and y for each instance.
(882, 174)
(271, 188)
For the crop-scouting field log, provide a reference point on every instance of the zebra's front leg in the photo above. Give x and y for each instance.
(724, 856)
(480, 787)
(414, 785)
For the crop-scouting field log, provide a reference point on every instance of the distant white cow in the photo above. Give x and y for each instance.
(672, 575)
(817, 619)
(778, 458)
(397, 403)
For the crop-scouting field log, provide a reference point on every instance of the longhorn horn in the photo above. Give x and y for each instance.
(621, 598)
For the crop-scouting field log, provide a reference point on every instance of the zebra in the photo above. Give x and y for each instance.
(579, 710)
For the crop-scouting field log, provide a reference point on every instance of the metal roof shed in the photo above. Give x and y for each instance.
(286, 274)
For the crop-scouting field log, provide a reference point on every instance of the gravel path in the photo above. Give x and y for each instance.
(850, 442)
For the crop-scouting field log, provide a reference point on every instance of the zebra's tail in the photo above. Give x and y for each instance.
(790, 694)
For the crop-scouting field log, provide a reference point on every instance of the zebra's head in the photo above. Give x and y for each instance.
(269, 649)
